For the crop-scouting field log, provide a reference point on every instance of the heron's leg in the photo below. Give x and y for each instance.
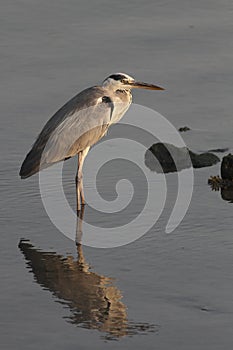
(77, 192)
(82, 191)
(79, 226)
(79, 178)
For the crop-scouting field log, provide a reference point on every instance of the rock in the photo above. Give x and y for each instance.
(227, 194)
(184, 128)
(166, 158)
(203, 160)
(224, 185)
(227, 167)
(219, 150)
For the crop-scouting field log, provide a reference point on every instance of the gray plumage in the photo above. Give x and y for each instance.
(80, 123)
(67, 121)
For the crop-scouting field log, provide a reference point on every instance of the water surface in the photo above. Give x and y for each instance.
(170, 291)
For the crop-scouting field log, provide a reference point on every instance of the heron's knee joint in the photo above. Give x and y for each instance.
(78, 178)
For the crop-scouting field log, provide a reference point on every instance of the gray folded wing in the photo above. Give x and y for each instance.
(80, 123)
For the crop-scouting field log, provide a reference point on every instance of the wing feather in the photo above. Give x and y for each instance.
(80, 123)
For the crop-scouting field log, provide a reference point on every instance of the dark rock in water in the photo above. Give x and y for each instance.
(224, 185)
(184, 128)
(166, 158)
(227, 194)
(227, 167)
(219, 150)
(203, 160)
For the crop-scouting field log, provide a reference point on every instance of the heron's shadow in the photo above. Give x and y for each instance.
(93, 299)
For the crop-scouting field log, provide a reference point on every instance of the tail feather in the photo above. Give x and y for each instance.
(31, 164)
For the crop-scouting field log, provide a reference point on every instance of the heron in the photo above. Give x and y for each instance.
(79, 124)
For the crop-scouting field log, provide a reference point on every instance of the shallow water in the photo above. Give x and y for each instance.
(164, 290)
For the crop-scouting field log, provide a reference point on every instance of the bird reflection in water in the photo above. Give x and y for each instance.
(94, 302)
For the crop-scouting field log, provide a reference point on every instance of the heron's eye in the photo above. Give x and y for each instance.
(117, 77)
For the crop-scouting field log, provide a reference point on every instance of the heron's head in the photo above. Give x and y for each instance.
(124, 81)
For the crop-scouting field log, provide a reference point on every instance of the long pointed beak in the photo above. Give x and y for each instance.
(141, 85)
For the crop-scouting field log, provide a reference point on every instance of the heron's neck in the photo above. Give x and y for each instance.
(125, 95)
